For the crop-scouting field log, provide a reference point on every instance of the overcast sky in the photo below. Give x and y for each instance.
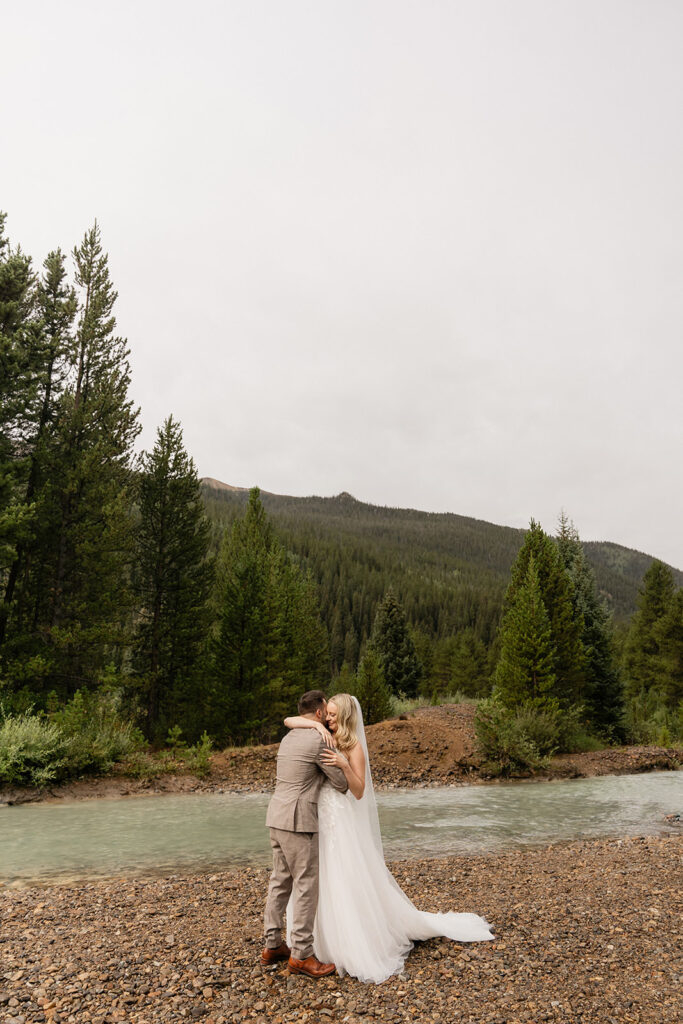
(430, 253)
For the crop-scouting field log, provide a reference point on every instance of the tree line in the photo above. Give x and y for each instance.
(564, 679)
(120, 576)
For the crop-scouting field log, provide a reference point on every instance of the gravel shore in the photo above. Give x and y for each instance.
(588, 933)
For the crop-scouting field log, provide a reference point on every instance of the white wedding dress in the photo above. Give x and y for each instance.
(365, 923)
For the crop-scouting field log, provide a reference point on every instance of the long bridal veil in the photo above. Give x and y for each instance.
(365, 809)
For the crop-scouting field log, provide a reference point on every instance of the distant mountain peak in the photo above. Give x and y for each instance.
(218, 485)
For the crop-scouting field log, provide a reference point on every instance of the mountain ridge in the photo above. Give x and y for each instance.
(213, 483)
(377, 545)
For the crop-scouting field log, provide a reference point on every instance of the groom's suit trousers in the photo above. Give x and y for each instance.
(295, 872)
(293, 822)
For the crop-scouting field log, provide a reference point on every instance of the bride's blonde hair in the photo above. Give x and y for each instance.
(347, 721)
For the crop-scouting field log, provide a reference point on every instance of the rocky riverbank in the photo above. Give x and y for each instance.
(433, 746)
(587, 933)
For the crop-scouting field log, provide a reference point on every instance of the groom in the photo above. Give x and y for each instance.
(293, 821)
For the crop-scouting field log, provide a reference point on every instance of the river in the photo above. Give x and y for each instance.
(42, 843)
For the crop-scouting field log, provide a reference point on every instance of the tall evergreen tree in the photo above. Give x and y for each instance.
(86, 508)
(568, 659)
(469, 665)
(371, 689)
(603, 697)
(173, 583)
(245, 624)
(297, 656)
(525, 669)
(55, 309)
(393, 644)
(643, 651)
(669, 630)
(271, 644)
(345, 682)
(436, 657)
(18, 375)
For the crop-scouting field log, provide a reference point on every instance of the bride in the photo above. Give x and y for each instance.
(365, 923)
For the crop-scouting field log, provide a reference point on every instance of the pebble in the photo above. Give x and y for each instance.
(588, 932)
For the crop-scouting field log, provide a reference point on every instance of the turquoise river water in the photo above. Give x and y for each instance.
(41, 843)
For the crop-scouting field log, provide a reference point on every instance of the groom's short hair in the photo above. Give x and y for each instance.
(311, 702)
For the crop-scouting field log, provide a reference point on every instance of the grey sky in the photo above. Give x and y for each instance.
(429, 253)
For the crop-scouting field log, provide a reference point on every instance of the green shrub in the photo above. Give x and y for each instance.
(540, 725)
(502, 739)
(574, 736)
(526, 736)
(649, 721)
(198, 756)
(147, 765)
(96, 734)
(32, 750)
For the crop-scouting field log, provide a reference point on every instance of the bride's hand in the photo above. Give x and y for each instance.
(334, 757)
(326, 734)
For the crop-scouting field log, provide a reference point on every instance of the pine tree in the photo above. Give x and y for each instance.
(18, 375)
(87, 505)
(245, 625)
(430, 655)
(469, 665)
(173, 583)
(524, 673)
(669, 635)
(603, 698)
(271, 644)
(371, 690)
(643, 653)
(440, 667)
(345, 682)
(55, 308)
(568, 659)
(297, 656)
(393, 644)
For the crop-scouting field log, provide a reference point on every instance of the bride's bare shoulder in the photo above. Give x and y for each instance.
(356, 755)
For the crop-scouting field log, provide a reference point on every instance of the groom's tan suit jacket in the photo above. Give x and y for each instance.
(300, 768)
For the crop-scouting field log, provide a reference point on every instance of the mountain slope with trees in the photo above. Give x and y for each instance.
(449, 572)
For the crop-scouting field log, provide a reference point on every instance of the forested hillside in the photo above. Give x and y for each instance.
(449, 572)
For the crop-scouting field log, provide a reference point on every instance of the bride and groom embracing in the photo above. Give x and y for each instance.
(345, 910)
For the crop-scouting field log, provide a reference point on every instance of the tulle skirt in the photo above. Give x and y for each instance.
(365, 923)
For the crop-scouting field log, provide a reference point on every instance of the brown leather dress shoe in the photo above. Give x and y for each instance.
(271, 956)
(311, 967)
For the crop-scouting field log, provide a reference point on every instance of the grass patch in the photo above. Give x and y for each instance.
(403, 705)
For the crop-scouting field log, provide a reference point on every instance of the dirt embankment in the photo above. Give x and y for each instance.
(433, 746)
(586, 933)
